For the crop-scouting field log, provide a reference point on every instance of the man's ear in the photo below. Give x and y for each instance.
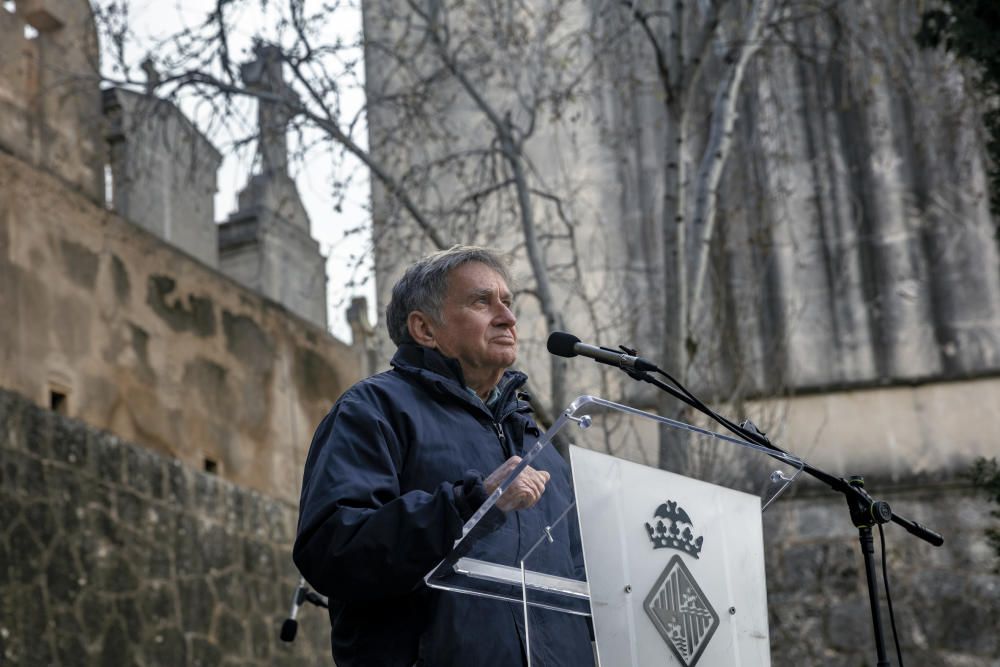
(421, 328)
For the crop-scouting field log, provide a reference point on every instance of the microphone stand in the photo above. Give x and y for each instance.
(865, 511)
(301, 595)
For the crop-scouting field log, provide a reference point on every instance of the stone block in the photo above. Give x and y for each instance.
(230, 589)
(197, 605)
(131, 509)
(69, 443)
(144, 471)
(165, 647)
(103, 529)
(109, 457)
(259, 560)
(40, 519)
(950, 613)
(848, 620)
(218, 547)
(23, 474)
(69, 641)
(159, 601)
(234, 503)
(109, 568)
(38, 427)
(93, 607)
(230, 631)
(264, 594)
(178, 484)
(188, 558)
(30, 554)
(6, 558)
(279, 522)
(26, 611)
(207, 493)
(63, 576)
(261, 638)
(158, 564)
(204, 653)
(11, 409)
(97, 495)
(10, 509)
(65, 485)
(127, 608)
(115, 649)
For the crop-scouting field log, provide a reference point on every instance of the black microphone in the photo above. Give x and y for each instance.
(290, 627)
(288, 630)
(563, 344)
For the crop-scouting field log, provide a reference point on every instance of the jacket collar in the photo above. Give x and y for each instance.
(445, 373)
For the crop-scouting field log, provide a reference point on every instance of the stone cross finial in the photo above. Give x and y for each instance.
(263, 74)
(152, 74)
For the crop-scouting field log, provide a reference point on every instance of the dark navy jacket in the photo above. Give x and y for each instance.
(383, 501)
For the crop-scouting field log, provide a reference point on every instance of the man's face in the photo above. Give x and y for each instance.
(477, 326)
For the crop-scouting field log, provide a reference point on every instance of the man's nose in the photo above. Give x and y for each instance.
(505, 316)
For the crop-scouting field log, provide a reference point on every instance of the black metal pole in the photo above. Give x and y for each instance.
(868, 551)
(865, 513)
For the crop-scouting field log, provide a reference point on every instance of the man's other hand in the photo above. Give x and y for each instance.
(523, 492)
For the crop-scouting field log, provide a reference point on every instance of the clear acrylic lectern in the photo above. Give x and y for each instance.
(672, 568)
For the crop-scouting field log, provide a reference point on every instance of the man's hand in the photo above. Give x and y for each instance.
(523, 492)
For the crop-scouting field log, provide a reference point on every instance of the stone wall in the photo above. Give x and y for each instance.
(143, 340)
(163, 172)
(50, 105)
(946, 599)
(112, 555)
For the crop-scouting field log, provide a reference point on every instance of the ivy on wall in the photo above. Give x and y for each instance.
(970, 29)
(985, 474)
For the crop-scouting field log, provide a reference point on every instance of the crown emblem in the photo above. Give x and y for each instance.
(676, 532)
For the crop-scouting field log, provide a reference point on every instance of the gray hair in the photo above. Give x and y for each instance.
(424, 285)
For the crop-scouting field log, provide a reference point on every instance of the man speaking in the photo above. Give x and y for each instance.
(405, 457)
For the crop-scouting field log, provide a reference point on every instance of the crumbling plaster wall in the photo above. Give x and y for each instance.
(154, 346)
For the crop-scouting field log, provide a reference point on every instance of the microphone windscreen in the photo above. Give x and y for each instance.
(561, 344)
(288, 629)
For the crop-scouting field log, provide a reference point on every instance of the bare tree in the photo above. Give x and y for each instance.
(458, 99)
(683, 41)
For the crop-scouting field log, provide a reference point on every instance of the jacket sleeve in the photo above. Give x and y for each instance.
(359, 538)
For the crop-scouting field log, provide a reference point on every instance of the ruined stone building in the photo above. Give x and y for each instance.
(853, 300)
(160, 375)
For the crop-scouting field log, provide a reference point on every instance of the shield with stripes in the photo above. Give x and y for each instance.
(681, 613)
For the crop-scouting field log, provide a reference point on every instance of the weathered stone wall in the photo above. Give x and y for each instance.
(154, 346)
(854, 244)
(112, 555)
(50, 104)
(163, 171)
(946, 599)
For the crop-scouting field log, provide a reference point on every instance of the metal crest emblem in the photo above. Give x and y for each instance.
(681, 613)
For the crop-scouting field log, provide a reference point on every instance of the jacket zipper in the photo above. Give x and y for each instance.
(503, 438)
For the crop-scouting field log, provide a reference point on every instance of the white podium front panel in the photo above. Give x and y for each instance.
(675, 566)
